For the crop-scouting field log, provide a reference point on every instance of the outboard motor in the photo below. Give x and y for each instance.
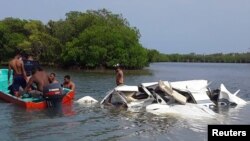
(53, 94)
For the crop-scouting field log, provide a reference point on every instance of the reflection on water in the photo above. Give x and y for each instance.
(92, 122)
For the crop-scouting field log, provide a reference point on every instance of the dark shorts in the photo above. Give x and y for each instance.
(18, 81)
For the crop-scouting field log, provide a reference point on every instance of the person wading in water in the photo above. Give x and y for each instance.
(68, 83)
(119, 75)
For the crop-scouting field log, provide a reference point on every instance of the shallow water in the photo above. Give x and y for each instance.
(78, 122)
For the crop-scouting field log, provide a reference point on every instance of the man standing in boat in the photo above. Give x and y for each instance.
(68, 83)
(119, 75)
(19, 76)
(29, 65)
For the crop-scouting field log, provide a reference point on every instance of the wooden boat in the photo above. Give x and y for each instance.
(28, 102)
(35, 103)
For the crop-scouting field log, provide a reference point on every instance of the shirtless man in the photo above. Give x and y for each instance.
(40, 78)
(119, 78)
(52, 78)
(68, 83)
(19, 77)
(119, 75)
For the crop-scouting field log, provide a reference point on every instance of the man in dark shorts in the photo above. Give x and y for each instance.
(19, 75)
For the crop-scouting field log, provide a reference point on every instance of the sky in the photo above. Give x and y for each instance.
(170, 26)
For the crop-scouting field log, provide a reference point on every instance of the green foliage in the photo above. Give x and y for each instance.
(88, 40)
(101, 39)
(213, 58)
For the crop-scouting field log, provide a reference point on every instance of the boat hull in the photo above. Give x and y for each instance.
(34, 105)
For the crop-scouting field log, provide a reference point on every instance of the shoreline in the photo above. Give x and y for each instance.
(103, 69)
